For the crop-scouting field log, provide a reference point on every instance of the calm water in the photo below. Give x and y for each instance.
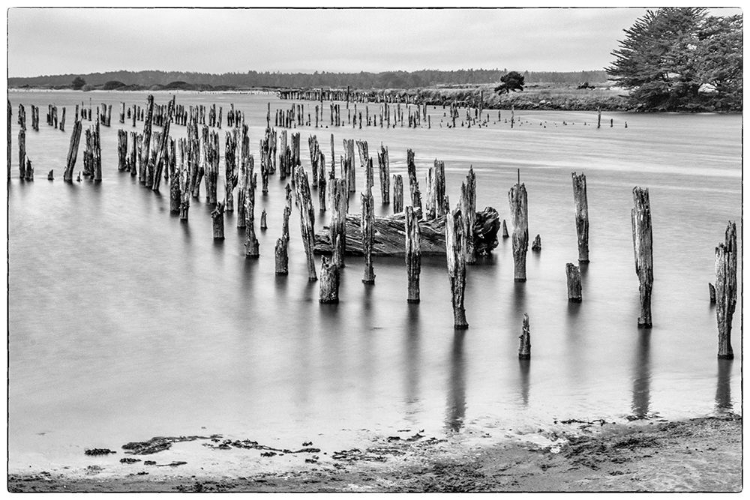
(125, 323)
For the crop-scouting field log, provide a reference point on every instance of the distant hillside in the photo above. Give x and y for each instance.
(253, 79)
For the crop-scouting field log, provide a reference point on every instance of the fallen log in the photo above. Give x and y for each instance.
(389, 236)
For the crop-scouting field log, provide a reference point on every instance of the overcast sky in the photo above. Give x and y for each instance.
(46, 41)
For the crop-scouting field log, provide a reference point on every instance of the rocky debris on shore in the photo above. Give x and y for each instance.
(128, 460)
(99, 451)
(157, 444)
(248, 444)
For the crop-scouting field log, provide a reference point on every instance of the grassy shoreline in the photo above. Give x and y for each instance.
(699, 455)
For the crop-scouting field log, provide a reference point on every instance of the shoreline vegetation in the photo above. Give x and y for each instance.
(699, 455)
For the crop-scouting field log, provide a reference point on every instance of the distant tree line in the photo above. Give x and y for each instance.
(362, 80)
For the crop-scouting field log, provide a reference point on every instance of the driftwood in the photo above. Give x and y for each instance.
(456, 259)
(524, 351)
(388, 235)
(726, 289)
(643, 251)
(413, 255)
(573, 274)
(582, 216)
(520, 219)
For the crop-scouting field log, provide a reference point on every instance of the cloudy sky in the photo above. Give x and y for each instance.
(86, 40)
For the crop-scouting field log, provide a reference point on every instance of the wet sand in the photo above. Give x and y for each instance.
(696, 455)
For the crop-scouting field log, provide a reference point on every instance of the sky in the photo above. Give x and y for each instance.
(49, 41)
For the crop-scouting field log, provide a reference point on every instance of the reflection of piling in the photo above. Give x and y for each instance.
(643, 249)
(642, 376)
(457, 395)
(723, 385)
(726, 289)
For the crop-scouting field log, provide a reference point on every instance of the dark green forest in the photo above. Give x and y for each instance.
(254, 79)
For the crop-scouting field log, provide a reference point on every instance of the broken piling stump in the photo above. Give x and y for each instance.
(263, 224)
(469, 211)
(218, 221)
(337, 227)
(368, 215)
(282, 244)
(329, 281)
(643, 250)
(50, 175)
(505, 230)
(252, 247)
(524, 351)
(385, 176)
(582, 216)
(573, 274)
(726, 289)
(416, 196)
(75, 138)
(537, 245)
(398, 194)
(711, 293)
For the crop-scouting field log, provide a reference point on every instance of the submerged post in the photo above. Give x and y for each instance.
(726, 289)
(582, 216)
(520, 219)
(643, 250)
(573, 274)
(456, 266)
(413, 255)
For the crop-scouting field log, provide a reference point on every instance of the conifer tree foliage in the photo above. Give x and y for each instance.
(680, 58)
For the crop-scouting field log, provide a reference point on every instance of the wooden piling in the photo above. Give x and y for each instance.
(456, 266)
(281, 249)
(62, 121)
(368, 215)
(307, 217)
(505, 230)
(22, 153)
(413, 255)
(51, 175)
(329, 281)
(29, 170)
(524, 350)
(122, 149)
(10, 137)
(519, 219)
(398, 194)
(643, 250)
(314, 147)
(218, 221)
(469, 211)
(582, 216)
(416, 196)
(175, 194)
(711, 293)
(573, 274)
(385, 175)
(147, 130)
(252, 247)
(726, 289)
(321, 165)
(263, 222)
(337, 227)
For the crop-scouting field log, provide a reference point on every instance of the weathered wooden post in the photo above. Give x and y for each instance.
(62, 121)
(122, 112)
(10, 137)
(456, 266)
(122, 149)
(573, 274)
(711, 293)
(726, 289)
(218, 221)
(97, 153)
(29, 170)
(469, 212)
(175, 195)
(307, 218)
(398, 194)
(524, 351)
(505, 230)
(368, 216)
(263, 222)
(314, 147)
(598, 117)
(251, 241)
(281, 254)
(582, 216)
(51, 175)
(329, 281)
(147, 130)
(186, 176)
(350, 172)
(22, 152)
(337, 227)
(520, 220)
(385, 175)
(643, 250)
(416, 196)
(413, 255)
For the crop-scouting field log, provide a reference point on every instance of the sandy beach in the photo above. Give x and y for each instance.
(696, 455)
